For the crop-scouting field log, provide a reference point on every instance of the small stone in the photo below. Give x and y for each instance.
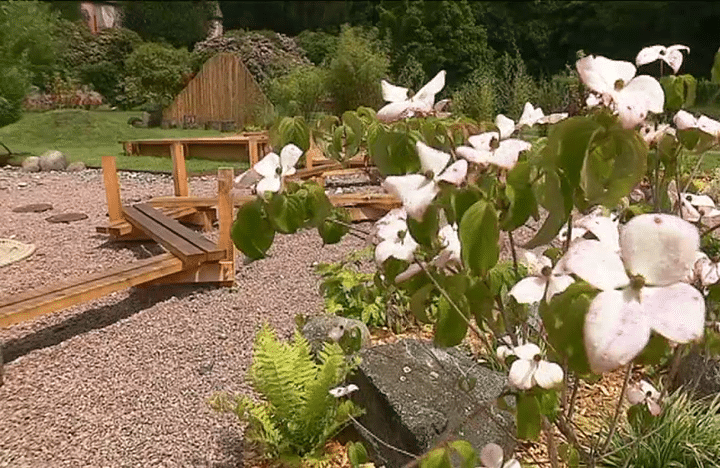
(53, 161)
(33, 208)
(22, 184)
(407, 370)
(31, 164)
(77, 166)
(66, 217)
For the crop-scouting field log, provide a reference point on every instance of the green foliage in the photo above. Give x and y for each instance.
(297, 414)
(686, 433)
(155, 74)
(514, 86)
(355, 71)
(9, 111)
(318, 45)
(300, 92)
(180, 23)
(680, 91)
(348, 292)
(476, 97)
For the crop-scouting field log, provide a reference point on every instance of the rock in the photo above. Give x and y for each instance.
(77, 166)
(66, 217)
(322, 328)
(33, 208)
(53, 161)
(31, 164)
(413, 392)
(699, 374)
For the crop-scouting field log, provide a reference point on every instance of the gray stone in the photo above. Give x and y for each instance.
(699, 374)
(31, 164)
(53, 161)
(77, 166)
(413, 393)
(322, 328)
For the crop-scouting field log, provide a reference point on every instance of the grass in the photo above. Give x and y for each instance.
(87, 135)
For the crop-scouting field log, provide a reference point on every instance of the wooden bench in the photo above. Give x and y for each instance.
(248, 146)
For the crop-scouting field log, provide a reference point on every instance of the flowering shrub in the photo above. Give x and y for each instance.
(628, 280)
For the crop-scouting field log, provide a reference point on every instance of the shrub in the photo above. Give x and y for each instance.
(155, 74)
(476, 98)
(514, 87)
(355, 71)
(557, 93)
(298, 414)
(9, 112)
(300, 92)
(318, 45)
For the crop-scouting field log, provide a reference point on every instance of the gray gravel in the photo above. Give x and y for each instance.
(124, 380)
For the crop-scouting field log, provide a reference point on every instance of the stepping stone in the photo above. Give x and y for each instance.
(33, 208)
(66, 217)
(413, 392)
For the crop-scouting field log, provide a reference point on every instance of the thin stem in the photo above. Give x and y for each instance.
(566, 430)
(613, 425)
(378, 439)
(552, 448)
(508, 329)
(694, 171)
(514, 254)
(710, 230)
(569, 233)
(348, 225)
(457, 309)
(677, 354)
(573, 397)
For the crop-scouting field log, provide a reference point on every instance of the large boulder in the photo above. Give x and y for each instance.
(413, 392)
(53, 161)
(31, 164)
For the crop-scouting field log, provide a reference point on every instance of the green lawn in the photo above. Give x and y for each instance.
(88, 135)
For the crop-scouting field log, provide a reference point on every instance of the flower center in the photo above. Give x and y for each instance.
(537, 358)
(546, 271)
(430, 175)
(637, 282)
(401, 234)
(619, 84)
(648, 394)
(494, 144)
(278, 171)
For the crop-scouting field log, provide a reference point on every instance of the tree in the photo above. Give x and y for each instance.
(179, 23)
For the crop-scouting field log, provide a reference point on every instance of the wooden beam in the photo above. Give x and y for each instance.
(112, 188)
(21, 307)
(180, 180)
(225, 212)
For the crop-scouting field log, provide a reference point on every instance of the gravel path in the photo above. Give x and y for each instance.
(123, 381)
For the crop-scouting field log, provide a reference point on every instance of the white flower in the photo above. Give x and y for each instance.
(530, 369)
(693, 207)
(417, 191)
(544, 280)
(493, 148)
(705, 270)
(671, 55)
(401, 107)
(396, 241)
(272, 168)
(653, 133)
(644, 392)
(604, 228)
(532, 116)
(632, 97)
(450, 241)
(683, 120)
(492, 456)
(338, 392)
(657, 250)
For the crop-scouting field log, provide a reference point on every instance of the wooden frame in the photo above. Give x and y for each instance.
(244, 147)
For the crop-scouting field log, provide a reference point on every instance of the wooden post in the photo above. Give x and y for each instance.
(254, 150)
(112, 188)
(177, 151)
(225, 220)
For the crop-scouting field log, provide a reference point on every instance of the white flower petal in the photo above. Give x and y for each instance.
(604, 228)
(708, 125)
(548, 374)
(594, 262)
(649, 90)
(450, 241)
(530, 116)
(534, 263)
(414, 190)
(483, 141)
(491, 456)
(527, 351)
(553, 118)
(600, 73)
(474, 155)
(392, 93)
(649, 390)
(593, 100)
(267, 166)
(455, 173)
(653, 405)
(426, 94)
(512, 463)
(635, 394)
(529, 290)
(677, 311)
(268, 184)
(684, 120)
(674, 58)
(558, 284)
(507, 154)
(649, 54)
(615, 331)
(505, 125)
(394, 111)
(521, 374)
(659, 247)
(431, 159)
(504, 351)
(289, 156)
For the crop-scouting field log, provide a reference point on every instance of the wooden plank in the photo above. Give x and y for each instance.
(198, 240)
(112, 188)
(22, 307)
(225, 213)
(180, 180)
(189, 253)
(222, 272)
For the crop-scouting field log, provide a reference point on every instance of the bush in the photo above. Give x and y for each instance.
(514, 86)
(10, 112)
(560, 91)
(476, 98)
(156, 73)
(356, 70)
(318, 45)
(301, 92)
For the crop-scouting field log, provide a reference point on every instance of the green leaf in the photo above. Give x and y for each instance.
(715, 70)
(520, 193)
(317, 205)
(466, 452)
(568, 145)
(481, 301)
(425, 232)
(291, 130)
(393, 152)
(680, 91)
(438, 458)
(357, 454)
(286, 212)
(479, 234)
(564, 319)
(569, 455)
(450, 328)
(528, 417)
(419, 302)
(695, 139)
(549, 402)
(354, 135)
(654, 351)
(640, 418)
(251, 232)
(460, 201)
(556, 196)
(332, 232)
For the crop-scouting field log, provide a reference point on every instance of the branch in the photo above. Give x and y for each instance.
(613, 425)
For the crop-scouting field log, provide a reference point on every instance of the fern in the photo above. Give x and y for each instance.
(298, 414)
